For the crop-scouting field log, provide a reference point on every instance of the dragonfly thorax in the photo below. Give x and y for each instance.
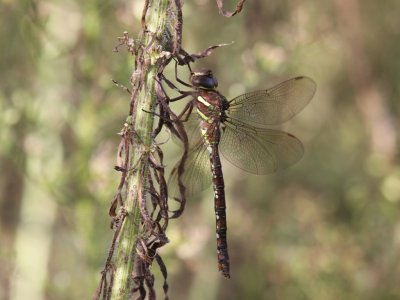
(211, 105)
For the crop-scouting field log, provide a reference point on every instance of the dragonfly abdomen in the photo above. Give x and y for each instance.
(220, 210)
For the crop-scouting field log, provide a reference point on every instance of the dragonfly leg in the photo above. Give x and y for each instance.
(164, 118)
(180, 80)
(179, 130)
(152, 113)
(187, 110)
(184, 94)
(179, 98)
(169, 116)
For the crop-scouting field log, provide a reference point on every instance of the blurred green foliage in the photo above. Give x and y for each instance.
(327, 228)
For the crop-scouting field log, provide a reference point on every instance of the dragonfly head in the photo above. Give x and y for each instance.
(203, 80)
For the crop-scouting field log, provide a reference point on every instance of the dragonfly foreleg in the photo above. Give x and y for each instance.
(170, 117)
(175, 88)
(180, 80)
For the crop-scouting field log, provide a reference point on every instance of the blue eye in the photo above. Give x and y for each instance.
(204, 80)
(208, 82)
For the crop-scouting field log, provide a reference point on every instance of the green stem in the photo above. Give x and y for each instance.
(142, 125)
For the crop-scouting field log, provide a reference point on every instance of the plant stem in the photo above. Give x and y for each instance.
(147, 64)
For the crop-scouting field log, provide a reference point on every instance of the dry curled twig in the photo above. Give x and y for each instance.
(228, 14)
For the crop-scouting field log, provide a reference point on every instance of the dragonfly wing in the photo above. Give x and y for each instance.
(275, 105)
(259, 151)
(192, 128)
(196, 176)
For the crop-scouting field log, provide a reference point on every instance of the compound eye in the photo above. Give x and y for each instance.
(213, 81)
(204, 80)
(208, 82)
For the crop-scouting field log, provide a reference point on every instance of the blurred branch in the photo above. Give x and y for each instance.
(368, 98)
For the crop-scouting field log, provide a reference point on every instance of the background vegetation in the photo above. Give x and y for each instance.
(327, 228)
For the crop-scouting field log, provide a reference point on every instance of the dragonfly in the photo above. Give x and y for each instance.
(238, 129)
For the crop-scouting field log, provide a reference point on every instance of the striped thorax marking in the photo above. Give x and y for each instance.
(202, 100)
(203, 116)
(208, 105)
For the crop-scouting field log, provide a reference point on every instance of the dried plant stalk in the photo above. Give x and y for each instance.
(143, 98)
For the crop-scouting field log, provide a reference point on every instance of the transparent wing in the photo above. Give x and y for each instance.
(275, 105)
(257, 150)
(192, 128)
(197, 173)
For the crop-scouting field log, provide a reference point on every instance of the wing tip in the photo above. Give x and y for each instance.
(302, 77)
